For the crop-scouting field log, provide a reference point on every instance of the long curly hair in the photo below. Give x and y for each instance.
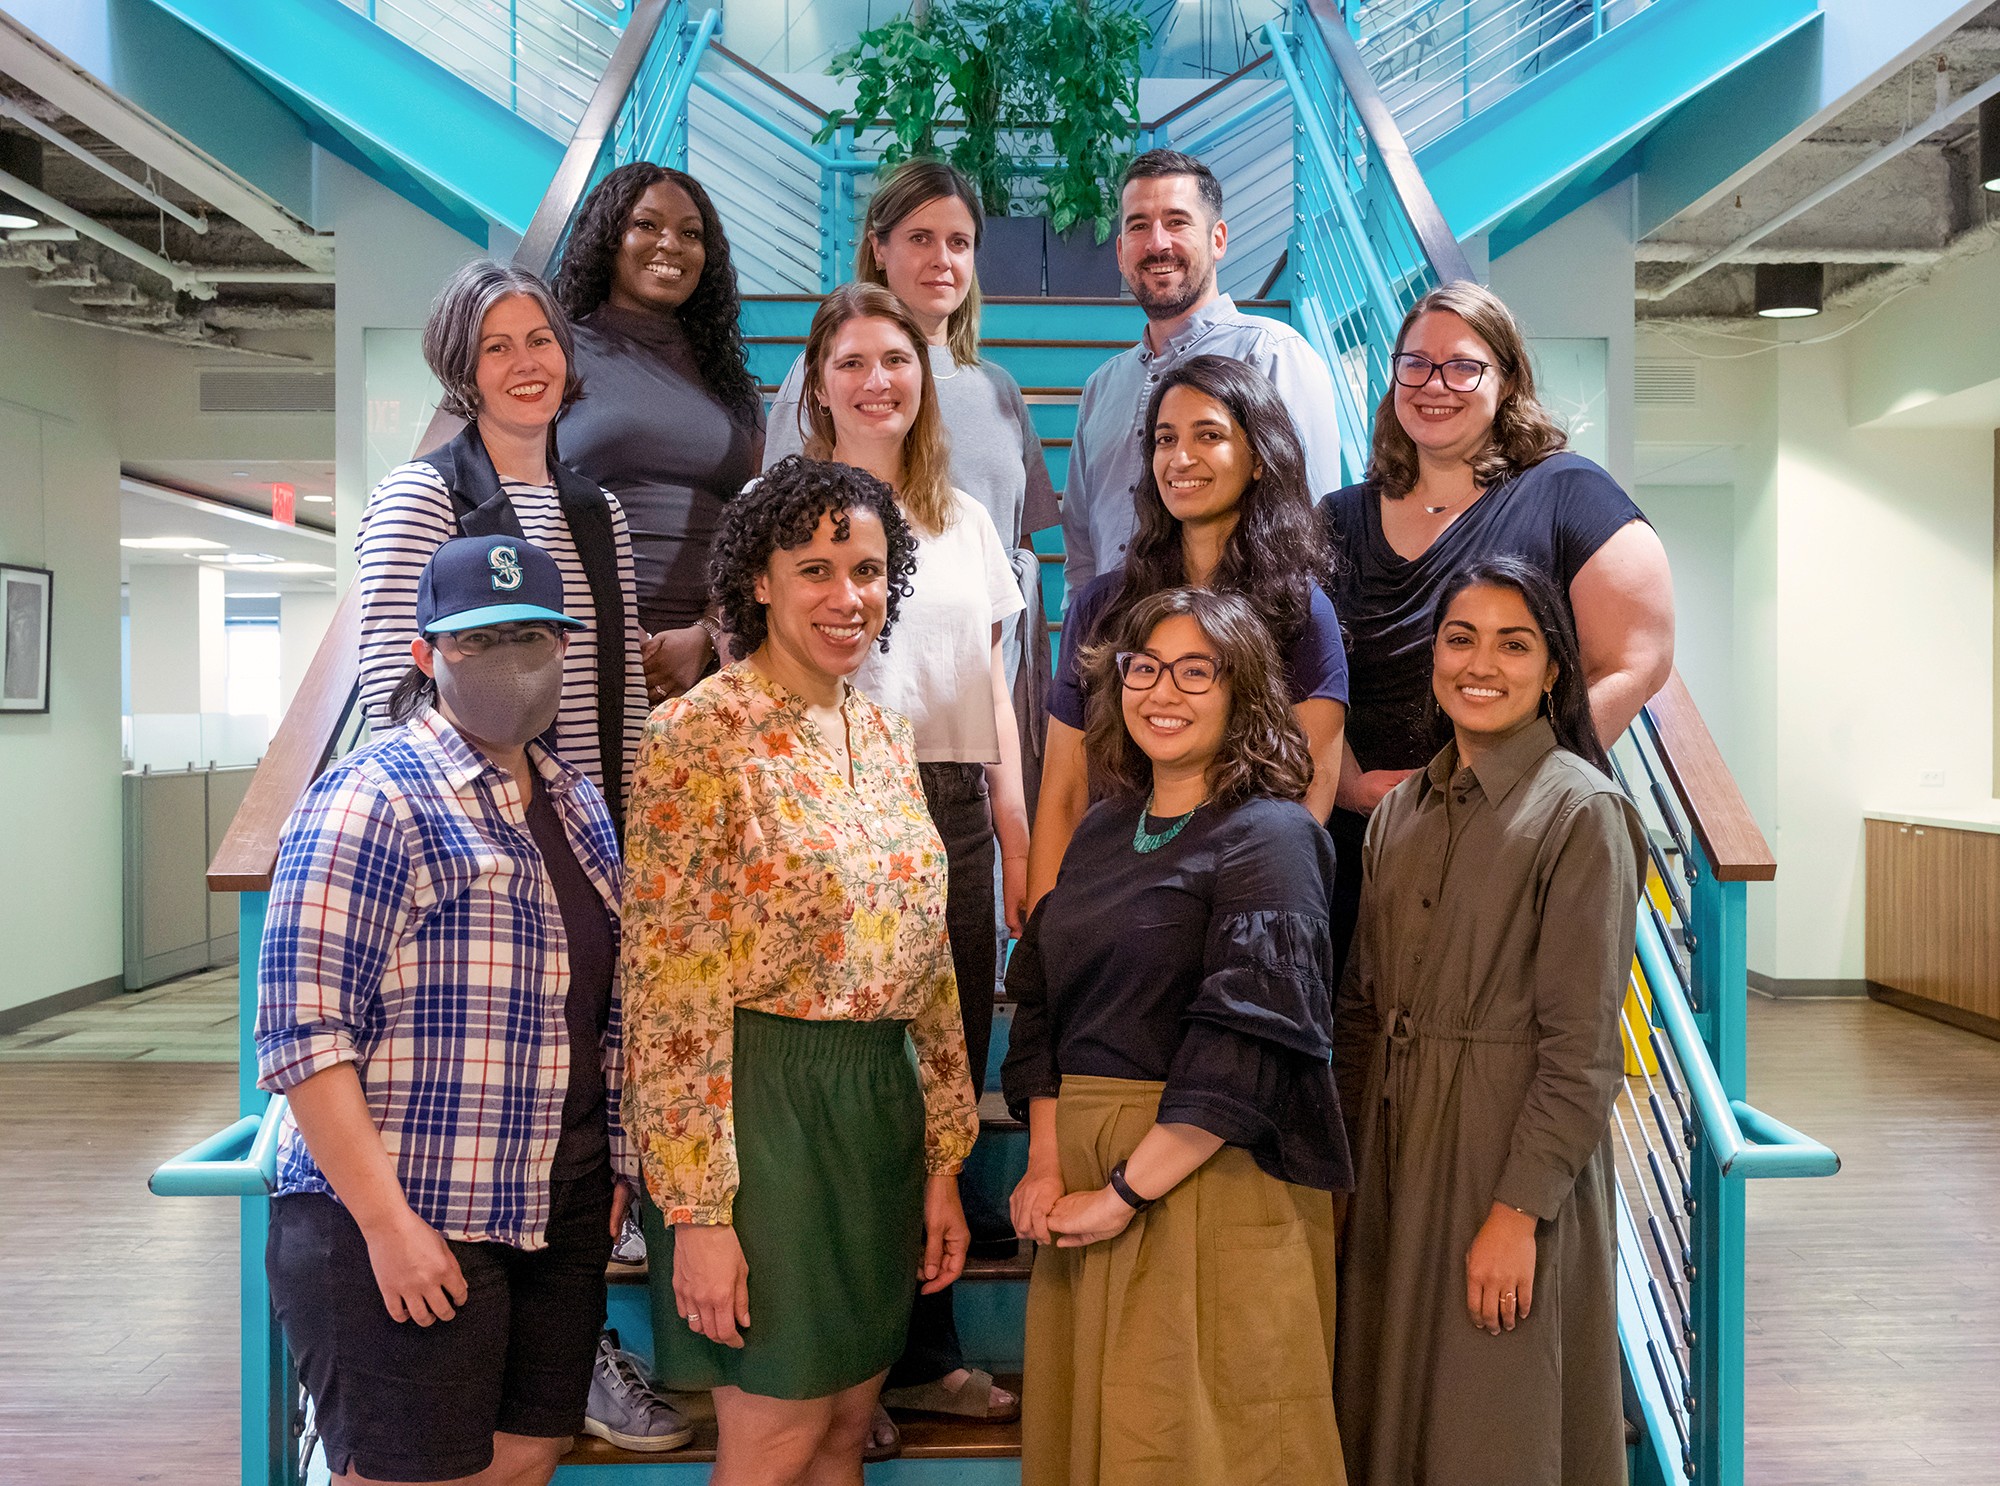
(1277, 552)
(711, 314)
(1568, 701)
(782, 509)
(900, 191)
(1524, 432)
(926, 492)
(1263, 750)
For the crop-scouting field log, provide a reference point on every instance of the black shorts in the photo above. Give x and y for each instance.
(396, 1401)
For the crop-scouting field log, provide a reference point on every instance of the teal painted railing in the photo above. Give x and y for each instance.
(542, 58)
(1440, 62)
(1688, 1138)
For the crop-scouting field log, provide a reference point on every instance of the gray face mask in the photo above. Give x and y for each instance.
(504, 696)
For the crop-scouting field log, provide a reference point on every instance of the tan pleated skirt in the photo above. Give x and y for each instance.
(1197, 1346)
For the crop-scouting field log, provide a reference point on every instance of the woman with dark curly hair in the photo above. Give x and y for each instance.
(784, 946)
(1184, 1133)
(1468, 464)
(671, 422)
(1223, 505)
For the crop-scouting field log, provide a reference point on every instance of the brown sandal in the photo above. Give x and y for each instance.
(971, 1399)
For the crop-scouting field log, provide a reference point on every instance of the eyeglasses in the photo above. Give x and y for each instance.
(1459, 374)
(1193, 674)
(479, 641)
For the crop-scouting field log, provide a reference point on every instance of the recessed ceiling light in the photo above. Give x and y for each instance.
(242, 559)
(271, 595)
(239, 474)
(172, 544)
(317, 500)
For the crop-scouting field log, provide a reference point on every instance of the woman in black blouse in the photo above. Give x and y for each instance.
(671, 421)
(1467, 464)
(1170, 1053)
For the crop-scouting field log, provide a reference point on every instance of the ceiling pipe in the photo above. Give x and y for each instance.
(61, 141)
(1672, 252)
(260, 276)
(182, 279)
(1950, 113)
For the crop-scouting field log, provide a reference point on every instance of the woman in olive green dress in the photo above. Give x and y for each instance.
(1477, 1054)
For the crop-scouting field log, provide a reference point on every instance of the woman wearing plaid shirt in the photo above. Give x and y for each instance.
(438, 998)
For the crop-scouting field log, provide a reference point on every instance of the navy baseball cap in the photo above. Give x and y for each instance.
(472, 581)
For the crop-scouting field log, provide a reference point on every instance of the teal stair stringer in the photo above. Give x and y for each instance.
(385, 108)
(1587, 122)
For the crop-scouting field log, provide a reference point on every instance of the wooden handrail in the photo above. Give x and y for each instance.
(1728, 832)
(1205, 94)
(798, 100)
(303, 744)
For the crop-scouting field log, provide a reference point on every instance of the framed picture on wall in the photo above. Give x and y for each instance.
(26, 601)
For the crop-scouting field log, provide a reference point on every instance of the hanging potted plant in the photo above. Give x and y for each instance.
(1087, 64)
(973, 54)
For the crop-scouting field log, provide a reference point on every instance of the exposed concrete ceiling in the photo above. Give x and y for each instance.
(1886, 230)
(199, 277)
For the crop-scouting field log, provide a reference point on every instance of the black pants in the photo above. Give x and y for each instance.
(963, 815)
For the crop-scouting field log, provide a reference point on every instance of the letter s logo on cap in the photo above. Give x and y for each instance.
(506, 565)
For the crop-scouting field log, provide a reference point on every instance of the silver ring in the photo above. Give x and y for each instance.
(694, 1318)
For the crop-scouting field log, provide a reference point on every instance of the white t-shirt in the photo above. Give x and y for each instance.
(937, 670)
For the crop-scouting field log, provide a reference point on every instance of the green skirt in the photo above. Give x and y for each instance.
(829, 1210)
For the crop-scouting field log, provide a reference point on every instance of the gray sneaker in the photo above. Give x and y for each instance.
(625, 1410)
(630, 1250)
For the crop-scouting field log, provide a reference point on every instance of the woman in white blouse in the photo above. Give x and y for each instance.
(870, 402)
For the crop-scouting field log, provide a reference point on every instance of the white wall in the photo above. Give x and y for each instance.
(392, 260)
(1574, 279)
(1885, 660)
(180, 653)
(302, 622)
(60, 841)
(1857, 653)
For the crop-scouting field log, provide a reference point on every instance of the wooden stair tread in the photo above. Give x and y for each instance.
(924, 1437)
(993, 1114)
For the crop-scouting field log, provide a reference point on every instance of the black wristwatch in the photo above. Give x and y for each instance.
(1123, 1188)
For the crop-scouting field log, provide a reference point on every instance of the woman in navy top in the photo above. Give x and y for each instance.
(1468, 465)
(1222, 505)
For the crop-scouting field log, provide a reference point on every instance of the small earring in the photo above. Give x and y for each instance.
(1549, 701)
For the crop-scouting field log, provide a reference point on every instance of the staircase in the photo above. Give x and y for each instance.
(1334, 216)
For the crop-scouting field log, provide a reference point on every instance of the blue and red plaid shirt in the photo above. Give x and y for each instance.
(414, 932)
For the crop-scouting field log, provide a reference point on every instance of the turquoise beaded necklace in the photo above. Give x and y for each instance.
(1144, 840)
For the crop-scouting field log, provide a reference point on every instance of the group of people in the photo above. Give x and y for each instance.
(713, 758)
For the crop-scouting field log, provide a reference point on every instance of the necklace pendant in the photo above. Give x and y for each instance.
(1144, 841)
(1436, 510)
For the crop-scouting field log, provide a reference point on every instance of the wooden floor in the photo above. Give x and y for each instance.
(1874, 1298)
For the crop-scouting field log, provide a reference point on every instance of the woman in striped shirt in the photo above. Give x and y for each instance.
(501, 348)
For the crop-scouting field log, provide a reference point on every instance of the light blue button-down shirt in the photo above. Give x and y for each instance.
(1107, 458)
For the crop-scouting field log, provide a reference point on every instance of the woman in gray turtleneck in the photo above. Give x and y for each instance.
(670, 420)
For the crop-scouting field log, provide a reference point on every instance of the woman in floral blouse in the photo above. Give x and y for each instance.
(785, 943)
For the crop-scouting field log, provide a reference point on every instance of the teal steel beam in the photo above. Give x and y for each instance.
(336, 67)
(1713, 136)
(1600, 101)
